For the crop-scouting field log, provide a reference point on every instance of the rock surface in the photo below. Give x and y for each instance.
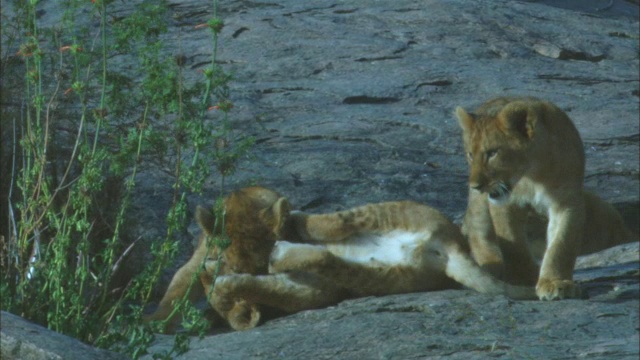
(23, 340)
(352, 102)
(456, 324)
(453, 324)
(355, 104)
(356, 99)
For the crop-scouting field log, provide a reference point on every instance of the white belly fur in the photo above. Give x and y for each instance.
(392, 248)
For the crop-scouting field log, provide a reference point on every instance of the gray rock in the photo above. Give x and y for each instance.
(355, 103)
(23, 340)
(615, 255)
(351, 102)
(456, 324)
(355, 99)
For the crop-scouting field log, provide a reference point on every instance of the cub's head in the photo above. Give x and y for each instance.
(498, 141)
(253, 219)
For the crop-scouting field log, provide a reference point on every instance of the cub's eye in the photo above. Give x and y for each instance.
(491, 153)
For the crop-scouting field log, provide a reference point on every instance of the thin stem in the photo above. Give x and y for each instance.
(100, 115)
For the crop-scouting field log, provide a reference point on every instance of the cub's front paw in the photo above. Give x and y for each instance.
(287, 256)
(556, 289)
(279, 251)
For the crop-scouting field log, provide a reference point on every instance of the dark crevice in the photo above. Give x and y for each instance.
(630, 173)
(579, 56)
(301, 138)
(435, 83)
(620, 34)
(632, 139)
(239, 31)
(309, 10)
(345, 11)
(205, 63)
(401, 50)
(370, 100)
(328, 66)
(381, 58)
(282, 90)
(581, 80)
(404, 10)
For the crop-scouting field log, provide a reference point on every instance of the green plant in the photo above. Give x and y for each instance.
(76, 159)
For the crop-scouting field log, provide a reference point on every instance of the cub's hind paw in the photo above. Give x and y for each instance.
(243, 316)
(556, 289)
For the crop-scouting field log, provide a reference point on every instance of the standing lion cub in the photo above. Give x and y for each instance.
(525, 153)
(376, 249)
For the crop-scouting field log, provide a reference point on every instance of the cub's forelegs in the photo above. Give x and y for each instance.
(564, 233)
(239, 297)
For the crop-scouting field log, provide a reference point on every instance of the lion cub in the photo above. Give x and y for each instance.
(525, 153)
(254, 218)
(377, 249)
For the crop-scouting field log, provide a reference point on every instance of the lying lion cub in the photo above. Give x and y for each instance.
(254, 219)
(377, 249)
(525, 153)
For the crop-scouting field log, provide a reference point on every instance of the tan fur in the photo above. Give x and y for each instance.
(526, 153)
(376, 249)
(386, 248)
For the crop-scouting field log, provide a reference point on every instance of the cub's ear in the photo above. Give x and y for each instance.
(518, 118)
(276, 216)
(465, 119)
(206, 220)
